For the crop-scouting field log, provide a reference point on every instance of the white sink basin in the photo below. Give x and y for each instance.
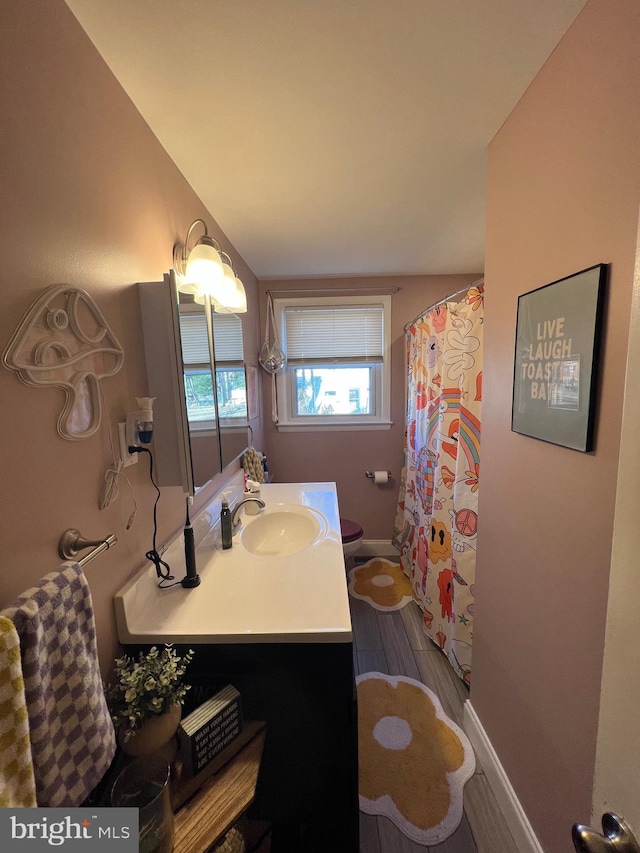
(273, 594)
(281, 530)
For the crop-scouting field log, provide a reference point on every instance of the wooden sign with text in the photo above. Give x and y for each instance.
(205, 732)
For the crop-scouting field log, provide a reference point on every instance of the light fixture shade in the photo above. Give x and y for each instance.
(242, 298)
(206, 271)
(200, 299)
(236, 302)
(226, 286)
(204, 267)
(229, 276)
(186, 286)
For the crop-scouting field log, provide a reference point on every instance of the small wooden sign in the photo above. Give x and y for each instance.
(209, 729)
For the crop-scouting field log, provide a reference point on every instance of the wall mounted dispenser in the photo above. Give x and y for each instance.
(140, 423)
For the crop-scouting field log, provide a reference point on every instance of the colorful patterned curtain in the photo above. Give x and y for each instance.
(436, 523)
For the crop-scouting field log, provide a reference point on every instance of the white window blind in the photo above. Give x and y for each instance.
(352, 333)
(227, 339)
(227, 336)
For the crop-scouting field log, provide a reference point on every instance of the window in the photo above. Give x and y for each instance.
(337, 373)
(230, 378)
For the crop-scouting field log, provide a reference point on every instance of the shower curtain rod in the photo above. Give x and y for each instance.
(442, 301)
(383, 291)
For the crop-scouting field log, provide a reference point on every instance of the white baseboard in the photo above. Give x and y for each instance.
(377, 548)
(514, 814)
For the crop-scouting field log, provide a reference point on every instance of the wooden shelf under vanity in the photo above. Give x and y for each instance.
(209, 804)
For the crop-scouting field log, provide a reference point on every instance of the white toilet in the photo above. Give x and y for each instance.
(352, 535)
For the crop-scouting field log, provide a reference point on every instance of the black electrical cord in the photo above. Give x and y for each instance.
(163, 570)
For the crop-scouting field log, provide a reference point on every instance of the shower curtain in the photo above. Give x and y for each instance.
(437, 521)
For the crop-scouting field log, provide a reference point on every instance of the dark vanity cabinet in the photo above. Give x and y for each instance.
(308, 781)
(307, 785)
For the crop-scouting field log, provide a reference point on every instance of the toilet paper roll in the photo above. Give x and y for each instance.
(380, 477)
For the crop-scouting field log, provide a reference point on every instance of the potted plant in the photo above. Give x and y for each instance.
(146, 702)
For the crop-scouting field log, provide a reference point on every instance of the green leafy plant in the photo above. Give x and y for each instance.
(147, 686)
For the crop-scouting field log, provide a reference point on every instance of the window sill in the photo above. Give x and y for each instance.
(333, 427)
(234, 426)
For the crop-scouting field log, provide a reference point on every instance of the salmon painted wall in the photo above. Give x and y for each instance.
(91, 199)
(343, 457)
(563, 192)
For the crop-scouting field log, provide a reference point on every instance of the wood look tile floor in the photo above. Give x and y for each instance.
(395, 643)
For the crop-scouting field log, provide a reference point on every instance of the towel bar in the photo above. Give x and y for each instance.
(72, 541)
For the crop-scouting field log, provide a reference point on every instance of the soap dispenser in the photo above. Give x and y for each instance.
(225, 525)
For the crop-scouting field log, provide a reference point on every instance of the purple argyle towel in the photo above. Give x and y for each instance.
(72, 736)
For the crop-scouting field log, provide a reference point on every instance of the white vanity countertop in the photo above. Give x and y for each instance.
(243, 597)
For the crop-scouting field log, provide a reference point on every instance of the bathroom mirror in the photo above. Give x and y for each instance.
(216, 400)
(231, 386)
(199, 386)
(195, 369)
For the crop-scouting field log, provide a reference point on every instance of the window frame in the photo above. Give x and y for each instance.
(380, 389)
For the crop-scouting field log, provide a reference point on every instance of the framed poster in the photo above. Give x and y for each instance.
(556, 360)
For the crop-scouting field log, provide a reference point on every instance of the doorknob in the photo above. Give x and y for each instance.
(617, 837)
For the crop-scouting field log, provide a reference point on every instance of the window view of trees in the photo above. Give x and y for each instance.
(199, 392)
(333, 390)
(232, 398)
(232, 393)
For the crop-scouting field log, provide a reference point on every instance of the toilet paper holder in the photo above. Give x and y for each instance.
(371, 474)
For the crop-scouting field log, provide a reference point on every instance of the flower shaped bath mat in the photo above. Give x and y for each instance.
(413, 760)
(380, 583)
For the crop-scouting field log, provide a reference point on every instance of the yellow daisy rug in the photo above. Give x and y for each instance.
(413, 760)
(380, 583)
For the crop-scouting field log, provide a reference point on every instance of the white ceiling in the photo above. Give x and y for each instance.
(332, 137)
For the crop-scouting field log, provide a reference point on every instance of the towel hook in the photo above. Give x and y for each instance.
(72, 542)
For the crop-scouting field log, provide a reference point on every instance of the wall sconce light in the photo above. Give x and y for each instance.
(234, 300)
(206, 271)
